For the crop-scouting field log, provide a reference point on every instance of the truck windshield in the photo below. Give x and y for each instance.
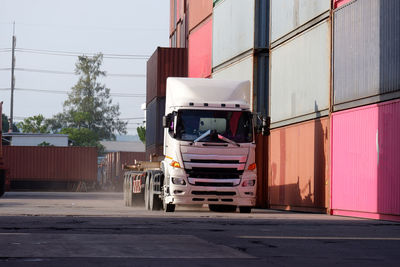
(234, 125)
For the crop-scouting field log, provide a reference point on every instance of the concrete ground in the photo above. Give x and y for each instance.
(96, 229)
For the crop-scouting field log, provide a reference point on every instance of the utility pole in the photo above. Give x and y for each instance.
(14, 40)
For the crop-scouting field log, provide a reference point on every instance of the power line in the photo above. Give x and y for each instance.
(72, 73)
(66, 92)
(75, 54)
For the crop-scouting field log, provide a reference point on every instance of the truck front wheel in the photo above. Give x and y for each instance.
(168, 207)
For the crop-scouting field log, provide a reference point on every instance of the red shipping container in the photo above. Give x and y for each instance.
(299, 166)
(365, 161)
(339, 3)
(164, 63)
(198, 11)
(51, 164)
(200, 50)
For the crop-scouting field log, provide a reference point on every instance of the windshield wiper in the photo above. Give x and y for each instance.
(223, 138)
(204, 135)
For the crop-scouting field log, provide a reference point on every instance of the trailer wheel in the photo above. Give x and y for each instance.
(168, 207)
(129, 191)
(154, 199)
(245, 209)
(147, 193)
(125, 192)
(222, 208)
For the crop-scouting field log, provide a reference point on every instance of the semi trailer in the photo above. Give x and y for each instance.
(209, 150)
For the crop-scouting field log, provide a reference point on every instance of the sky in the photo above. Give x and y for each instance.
(52, 33)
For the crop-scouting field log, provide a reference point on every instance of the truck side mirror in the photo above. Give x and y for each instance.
(265, 126)
(166, 121)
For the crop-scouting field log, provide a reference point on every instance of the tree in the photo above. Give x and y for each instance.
(141, 130)
(89, 114)
(34, 124)
(5, 124)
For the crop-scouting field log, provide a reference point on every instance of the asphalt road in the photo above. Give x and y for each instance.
(96, 229)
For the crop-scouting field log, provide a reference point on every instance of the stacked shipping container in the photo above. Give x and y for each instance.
(199, 14)
(164, 63)
(300, 91)
(365, 144)
(240, 52)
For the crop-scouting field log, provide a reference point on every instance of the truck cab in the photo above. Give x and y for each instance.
(209, 145)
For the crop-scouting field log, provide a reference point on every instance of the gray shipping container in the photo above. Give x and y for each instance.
(253, 67)
(288, 17)
(155, 111)
(300, 76)
(366, 55)
(238, 27)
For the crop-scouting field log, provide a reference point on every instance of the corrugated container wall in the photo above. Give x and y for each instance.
(239, 27)
(300, 76)
(290, 17)
(198, 11)
(155, 111)
(299, 166)
(366, 53)
(200, 50)
(365, 161)
(53, 164)
(164, 63)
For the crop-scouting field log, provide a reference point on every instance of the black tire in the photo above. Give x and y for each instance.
(2, 185)
(154, 199)
(222, 208)
(169, 207)
(245, 209)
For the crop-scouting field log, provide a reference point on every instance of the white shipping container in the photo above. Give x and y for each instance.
(233, 29)
(300, 77)
(239, 70)
(288, 15)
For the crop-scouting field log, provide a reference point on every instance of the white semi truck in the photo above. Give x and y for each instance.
(209, 150)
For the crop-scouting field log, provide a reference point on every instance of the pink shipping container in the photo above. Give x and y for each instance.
(200, 50)
(51, 164)
(339, 3)
(365, 161)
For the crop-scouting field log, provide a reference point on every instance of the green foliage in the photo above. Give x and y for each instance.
(5, 124)
(89, 104)
(44, 143)
(89, 114)
(141, 130)
(35, 124)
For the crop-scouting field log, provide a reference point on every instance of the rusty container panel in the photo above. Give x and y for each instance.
(53, 164)
(200, 50)
(164, 63)
(198, 11)
(262, 171)
(299, 166)
(172, 16)
(365, 161)
(127, 158)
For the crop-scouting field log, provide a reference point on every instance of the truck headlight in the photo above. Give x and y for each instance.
(248, 183)
(175, 164)
(178, 181)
